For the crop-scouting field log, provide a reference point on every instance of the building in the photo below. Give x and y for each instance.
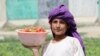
(33, 9)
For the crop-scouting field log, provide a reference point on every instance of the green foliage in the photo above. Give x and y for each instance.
(14, 48)
(92, 46)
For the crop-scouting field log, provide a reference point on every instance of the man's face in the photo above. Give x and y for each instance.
(58, 26)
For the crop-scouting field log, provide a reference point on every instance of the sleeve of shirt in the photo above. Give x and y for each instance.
(78, 48)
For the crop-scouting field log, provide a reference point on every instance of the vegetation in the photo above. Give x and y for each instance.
(12, 47)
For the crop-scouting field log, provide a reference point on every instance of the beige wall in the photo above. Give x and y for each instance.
(84, 8)
(2, 10)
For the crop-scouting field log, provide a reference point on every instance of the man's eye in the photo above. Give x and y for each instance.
(54, 21)
(62, 22)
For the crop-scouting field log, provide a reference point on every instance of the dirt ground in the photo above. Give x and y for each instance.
(91, 31)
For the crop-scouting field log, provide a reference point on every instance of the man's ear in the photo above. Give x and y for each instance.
(50, 25)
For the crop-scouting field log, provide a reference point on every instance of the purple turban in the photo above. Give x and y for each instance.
(64, 13)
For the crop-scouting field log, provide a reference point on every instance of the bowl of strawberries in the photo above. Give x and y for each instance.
(32, 36)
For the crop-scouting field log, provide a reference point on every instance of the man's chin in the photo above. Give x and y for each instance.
(58, 34)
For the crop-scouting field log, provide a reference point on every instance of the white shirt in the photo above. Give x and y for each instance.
(69, 46)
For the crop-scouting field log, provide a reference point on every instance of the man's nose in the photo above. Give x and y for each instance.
(58, 24)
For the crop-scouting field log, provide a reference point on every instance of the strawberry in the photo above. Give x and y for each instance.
(33, 29)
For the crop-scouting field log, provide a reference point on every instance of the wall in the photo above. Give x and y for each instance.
(99, 8)
(31, 9)
(84, 8)
(46, 5)
(2, 10)
(22, 9)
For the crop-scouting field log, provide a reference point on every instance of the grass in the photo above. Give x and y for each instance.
(13, 47)
(92, 46)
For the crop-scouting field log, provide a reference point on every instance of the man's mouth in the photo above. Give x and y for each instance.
(58, 30)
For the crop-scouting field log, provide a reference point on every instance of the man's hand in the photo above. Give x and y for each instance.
(35, 49)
